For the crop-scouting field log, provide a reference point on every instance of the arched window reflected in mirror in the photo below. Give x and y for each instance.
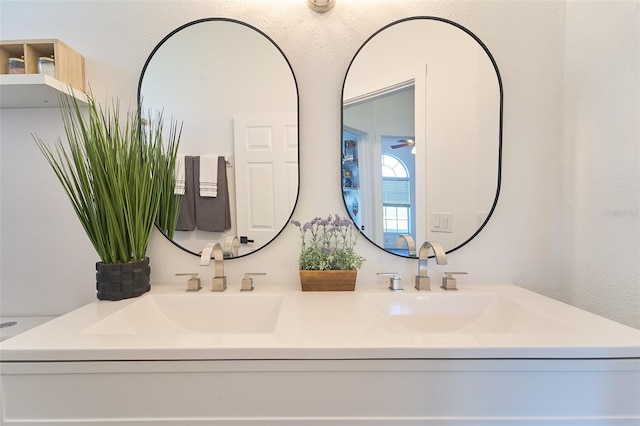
(397, 190)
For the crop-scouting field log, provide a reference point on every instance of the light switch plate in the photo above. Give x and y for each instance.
(442, 222)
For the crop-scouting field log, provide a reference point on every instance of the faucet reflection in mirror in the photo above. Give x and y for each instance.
(327, 253)
(411, 244)
(231, 246)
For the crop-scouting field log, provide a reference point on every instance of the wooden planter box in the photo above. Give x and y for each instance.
(328, 280)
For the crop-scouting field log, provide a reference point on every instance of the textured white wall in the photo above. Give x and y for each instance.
(46, 265)
(601, 259)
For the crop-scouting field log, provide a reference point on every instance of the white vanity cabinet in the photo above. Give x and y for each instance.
(321, 392)
(484, 355)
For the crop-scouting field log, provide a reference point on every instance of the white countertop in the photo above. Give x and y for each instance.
(12, 326)
(366, 324)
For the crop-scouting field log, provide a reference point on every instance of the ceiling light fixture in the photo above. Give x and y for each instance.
(321, 5)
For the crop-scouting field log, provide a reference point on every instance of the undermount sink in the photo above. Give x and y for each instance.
(460, 313)
(186, 314)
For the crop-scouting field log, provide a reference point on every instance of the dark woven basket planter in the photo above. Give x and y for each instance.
(119, 281)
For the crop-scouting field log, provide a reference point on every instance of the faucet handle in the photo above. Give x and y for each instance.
(448, 282)
(193, 284)
(247, 281)
(395, 282)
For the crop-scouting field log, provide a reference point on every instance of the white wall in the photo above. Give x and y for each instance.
(601, 235)
(47, 263)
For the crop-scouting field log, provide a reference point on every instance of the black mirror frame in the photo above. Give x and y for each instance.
(499, 175)
(139, 100)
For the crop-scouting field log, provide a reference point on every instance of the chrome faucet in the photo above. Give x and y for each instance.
(423, 282)
(214, 251)
(411, 244)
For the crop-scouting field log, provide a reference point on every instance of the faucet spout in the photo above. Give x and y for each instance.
(214, 251)
(206, 254)
(423, 256)
(218, 260)
(423, 282)
(411, 244)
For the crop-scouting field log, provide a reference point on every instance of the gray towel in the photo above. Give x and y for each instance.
(212, 213)
(187, 215)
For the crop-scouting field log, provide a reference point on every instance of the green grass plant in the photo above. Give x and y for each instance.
(169, 206)
(115, 174)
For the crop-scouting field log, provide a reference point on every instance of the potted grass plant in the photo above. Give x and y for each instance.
(328, 260)
(115, 173)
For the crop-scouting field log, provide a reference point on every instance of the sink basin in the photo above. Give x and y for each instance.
(461, 313)
(186, 314)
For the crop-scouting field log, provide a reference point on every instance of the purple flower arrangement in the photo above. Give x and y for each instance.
(328, 244)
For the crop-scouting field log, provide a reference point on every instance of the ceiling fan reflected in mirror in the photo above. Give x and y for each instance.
(403, 143)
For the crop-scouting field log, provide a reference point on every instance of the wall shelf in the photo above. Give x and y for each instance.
(33, 87)
(35, 91)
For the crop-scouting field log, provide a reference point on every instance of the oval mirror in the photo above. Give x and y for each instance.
(421, 135)
(235, 94)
